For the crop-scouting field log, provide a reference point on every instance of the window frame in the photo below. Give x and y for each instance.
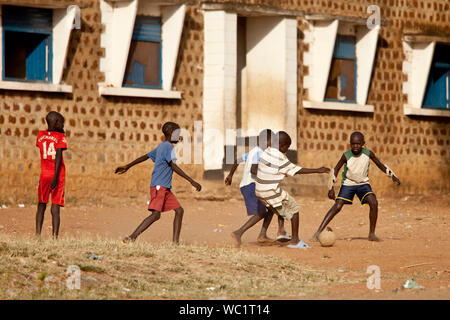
(336, 55)
(139, 37)
(49, 54)
(447, 84)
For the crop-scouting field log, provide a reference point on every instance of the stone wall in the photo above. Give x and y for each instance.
(104, 132)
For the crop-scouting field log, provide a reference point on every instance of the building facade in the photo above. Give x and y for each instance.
(223, 70)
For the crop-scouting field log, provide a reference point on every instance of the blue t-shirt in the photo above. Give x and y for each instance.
(162, 155)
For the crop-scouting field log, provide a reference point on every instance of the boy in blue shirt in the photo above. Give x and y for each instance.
(162, 198)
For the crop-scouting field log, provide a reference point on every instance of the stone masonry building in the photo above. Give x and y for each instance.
(224, 70)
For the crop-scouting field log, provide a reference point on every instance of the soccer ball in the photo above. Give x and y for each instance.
(327, 238)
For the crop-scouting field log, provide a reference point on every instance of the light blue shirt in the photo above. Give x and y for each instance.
(252, 157)
(162, 173)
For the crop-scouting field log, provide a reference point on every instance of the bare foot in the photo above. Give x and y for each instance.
(128, 240)
(373, 237)
(265, 239)
(236, 238)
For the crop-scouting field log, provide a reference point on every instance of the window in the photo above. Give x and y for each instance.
(141, 42)
(340, 59)
(143, 67)
(27, 44)
(341, 84)
(437, 91)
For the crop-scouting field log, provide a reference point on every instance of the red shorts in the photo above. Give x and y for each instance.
(57, 193)
(162, 200)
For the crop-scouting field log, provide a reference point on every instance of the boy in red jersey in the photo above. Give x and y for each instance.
(51, 143)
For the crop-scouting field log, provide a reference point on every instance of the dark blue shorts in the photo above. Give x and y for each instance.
(253, 204)
(347, 193)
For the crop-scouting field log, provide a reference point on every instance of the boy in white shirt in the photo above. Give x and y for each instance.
(255, 208)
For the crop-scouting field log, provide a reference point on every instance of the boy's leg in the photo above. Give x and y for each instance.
(329, 216)
(177, 220)
(250, 223)
(294, 224)
(373, 215)
(281, 229)
(55, 210)
(40, 217)
(147, 222)
(262, 237)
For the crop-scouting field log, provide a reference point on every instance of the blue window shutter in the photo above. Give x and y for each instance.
(36, 62)
(147, 29)
(344, 47)
(144, 69)
(27, 19)
(435, 94)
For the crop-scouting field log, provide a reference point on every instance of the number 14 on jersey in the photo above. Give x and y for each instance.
(50, 151)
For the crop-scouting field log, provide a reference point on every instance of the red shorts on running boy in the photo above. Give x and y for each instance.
(162, 199)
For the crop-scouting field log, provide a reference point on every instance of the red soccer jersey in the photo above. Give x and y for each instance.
(48, 142)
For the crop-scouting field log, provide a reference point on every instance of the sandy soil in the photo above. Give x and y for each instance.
(415, 232)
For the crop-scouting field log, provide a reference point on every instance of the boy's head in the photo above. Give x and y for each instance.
(171, 131)
(265, 138)
(283, 140)
(55, 121)
(356, 142)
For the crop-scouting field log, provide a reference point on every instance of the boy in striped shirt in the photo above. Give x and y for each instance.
(273, 166)
(255, 208)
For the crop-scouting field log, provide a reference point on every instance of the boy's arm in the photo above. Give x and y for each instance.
(341, 162)
(254, 169)
(123, 169)
(180, 172)
(58, 161)
(384, 168)
(229, 178)
(313, 170)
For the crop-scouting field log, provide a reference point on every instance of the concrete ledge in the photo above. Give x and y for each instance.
(328, 17)
(251, 10)
(341, 106)
(411, 111)
(35, 86)
(139, 92)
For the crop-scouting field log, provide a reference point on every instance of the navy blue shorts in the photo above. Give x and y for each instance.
(347, 193)
(253, 204)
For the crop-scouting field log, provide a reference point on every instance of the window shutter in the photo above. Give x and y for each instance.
(147, 29)
(344, 47)
(27, 19)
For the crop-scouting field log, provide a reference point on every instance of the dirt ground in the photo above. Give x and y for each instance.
(415, 232)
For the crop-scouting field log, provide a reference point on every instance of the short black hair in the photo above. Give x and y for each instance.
(283, 138)
(52, 117)
(169, 127)
(357, 133)
(264, 136)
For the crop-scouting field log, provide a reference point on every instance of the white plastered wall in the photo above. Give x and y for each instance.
(320, 37)
(118, 18)
(219, 84)
(366, 46)
(271, 75)
(417, 63)
(63, 20)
